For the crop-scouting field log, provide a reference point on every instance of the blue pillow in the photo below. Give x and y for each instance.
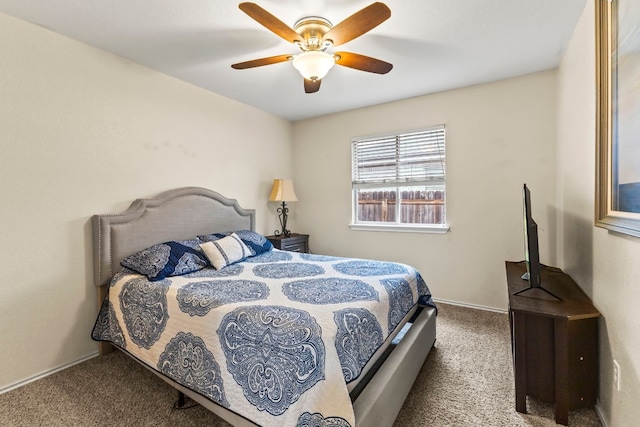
(167, 259)
(256, 242)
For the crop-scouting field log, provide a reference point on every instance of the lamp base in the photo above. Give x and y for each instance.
(283, 212)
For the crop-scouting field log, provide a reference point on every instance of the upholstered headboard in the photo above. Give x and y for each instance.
(177, 214)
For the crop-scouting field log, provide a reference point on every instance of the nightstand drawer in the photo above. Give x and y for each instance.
(293, 243)
(300, 246)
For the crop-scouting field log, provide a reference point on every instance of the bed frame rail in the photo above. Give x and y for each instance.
(383, 397)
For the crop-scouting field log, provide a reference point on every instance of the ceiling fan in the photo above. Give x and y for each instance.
(314, 35)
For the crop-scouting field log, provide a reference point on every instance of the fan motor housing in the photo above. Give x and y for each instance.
(312, 29)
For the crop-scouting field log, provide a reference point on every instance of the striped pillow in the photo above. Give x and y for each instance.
(225, 251)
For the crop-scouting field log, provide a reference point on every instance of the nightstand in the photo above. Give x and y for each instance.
(294, 243)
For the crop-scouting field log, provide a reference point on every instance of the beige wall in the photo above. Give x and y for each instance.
(605, 264)
(85, 132)
(499, 136)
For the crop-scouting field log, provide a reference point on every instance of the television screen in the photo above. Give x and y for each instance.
(532, 255)
(531, 250)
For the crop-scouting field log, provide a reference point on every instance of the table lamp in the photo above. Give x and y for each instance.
(282, 191)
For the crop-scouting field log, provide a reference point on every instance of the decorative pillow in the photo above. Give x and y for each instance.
(225, 251)
(256, 242)
(167, 259)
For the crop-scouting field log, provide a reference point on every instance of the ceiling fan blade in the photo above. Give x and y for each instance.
(311, 86)
(270, 22)
(262, 61)
(359, 23)
(362, 62)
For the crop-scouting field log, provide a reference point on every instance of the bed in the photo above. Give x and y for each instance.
(275, 338)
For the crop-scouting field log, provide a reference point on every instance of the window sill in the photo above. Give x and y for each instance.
(403, 228)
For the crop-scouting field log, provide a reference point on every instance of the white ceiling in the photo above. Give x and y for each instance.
(434, 45)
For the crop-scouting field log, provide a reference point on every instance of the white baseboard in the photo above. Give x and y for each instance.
(47, 373)
(600, 413)
(477, 307)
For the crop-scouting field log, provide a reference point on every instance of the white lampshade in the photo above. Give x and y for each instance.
(313, 64)
(282, 191)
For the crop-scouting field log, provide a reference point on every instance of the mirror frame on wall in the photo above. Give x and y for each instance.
(607, 123)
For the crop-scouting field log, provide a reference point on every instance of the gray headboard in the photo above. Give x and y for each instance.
(177, 214)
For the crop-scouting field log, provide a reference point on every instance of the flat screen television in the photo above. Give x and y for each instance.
(531, 248)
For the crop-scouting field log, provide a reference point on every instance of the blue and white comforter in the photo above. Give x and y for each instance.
(275, 338)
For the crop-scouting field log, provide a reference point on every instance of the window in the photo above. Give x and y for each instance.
(398, 181)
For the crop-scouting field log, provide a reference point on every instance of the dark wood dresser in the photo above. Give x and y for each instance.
(554, 343)
(294, 243)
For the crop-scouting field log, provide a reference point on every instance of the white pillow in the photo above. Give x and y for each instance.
(225, 251)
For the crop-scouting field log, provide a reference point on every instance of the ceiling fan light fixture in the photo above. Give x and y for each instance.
(313, 64)
(315, 35)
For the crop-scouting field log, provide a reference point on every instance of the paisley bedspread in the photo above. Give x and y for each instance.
(275, 338)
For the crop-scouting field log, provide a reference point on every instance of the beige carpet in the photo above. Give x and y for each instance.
(467, 380)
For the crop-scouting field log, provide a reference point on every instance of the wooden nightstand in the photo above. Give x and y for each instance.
(294, 243)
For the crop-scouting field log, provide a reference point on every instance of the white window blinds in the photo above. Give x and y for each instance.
(413, 158)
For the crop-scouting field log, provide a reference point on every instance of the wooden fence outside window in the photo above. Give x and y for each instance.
(416, 207)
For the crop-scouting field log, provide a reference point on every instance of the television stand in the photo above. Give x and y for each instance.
(554, 343)
(526, 276)
(537, 287)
